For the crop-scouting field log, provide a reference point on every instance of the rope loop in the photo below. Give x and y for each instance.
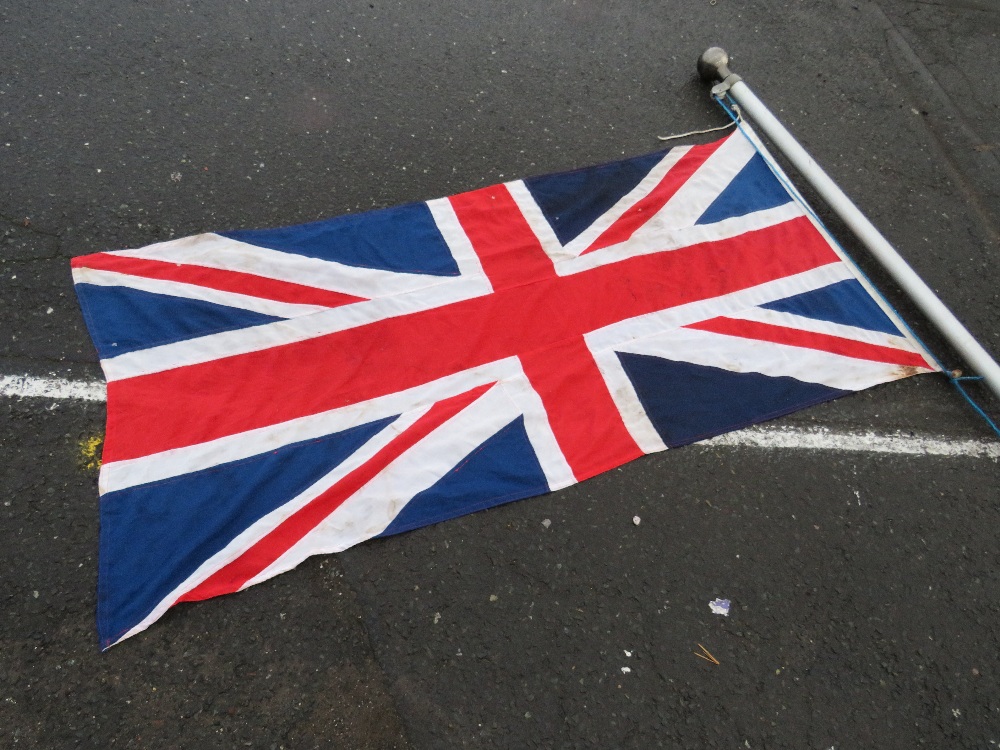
(737, 121)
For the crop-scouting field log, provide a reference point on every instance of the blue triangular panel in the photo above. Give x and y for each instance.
(122, 320)
(755, 188)
(572, 201)
(402, 238)
(846, 302)
(501, 470)
(688, 402)
(155, 535)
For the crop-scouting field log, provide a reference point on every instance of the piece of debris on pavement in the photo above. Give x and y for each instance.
(720, 607)
(706, 655)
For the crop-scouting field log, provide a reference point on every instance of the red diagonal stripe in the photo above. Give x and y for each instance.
(257, 558)
(152, 412)
(644, 209)
(751, 329)
(214, 278)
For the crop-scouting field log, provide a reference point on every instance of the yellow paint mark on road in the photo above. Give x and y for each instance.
(90, 452)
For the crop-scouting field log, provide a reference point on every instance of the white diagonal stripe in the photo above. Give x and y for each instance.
(656, 323)
(262, 305)
(666, 239)
(215, 251)
(271, 521)
(370, 510)
(741, 355)
(648, 183)
(701, 190)
(802, 323)
(533, 214)
(256, 338)
(547, 237)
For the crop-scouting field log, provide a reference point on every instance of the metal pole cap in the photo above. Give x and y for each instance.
(713, 65)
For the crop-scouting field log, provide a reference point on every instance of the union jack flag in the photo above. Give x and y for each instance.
(275, 394)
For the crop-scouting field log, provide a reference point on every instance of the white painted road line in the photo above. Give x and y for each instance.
(823, 439)
(779, 438)
(26, 386)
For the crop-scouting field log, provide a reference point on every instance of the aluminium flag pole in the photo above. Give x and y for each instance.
(713, 66)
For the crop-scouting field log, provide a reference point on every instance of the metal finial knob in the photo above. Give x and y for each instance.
(713, 65)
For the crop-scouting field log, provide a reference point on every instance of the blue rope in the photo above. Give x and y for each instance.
(729, 105)
(956, 381)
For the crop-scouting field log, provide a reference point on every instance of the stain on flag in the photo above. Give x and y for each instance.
(280, 393)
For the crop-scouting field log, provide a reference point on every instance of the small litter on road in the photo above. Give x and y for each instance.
(720, 607)
(626, 670)
(546, 523)
(636, 520)
(706, 655)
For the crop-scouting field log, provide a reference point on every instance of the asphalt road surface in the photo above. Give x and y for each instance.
(865, 586)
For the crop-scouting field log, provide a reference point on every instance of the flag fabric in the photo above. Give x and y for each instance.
(280, 393)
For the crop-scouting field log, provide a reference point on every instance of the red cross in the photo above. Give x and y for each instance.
(534, 314)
